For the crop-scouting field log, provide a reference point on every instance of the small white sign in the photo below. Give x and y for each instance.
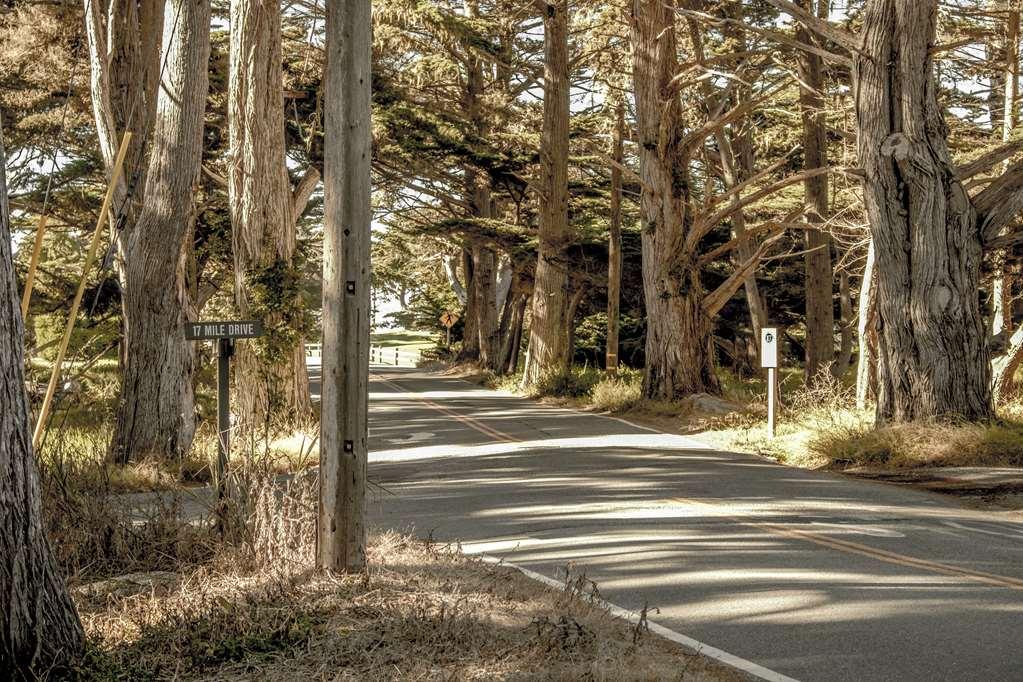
(769, 347)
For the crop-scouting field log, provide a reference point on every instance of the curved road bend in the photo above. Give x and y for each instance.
(815, 576)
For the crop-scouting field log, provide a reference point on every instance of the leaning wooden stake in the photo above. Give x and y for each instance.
(37, 248)
(341, 528)
(90, 257)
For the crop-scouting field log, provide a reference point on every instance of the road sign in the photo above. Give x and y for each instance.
(769, 347)
(769, 359)
(224, 333)
(449, 319)
(207, 331)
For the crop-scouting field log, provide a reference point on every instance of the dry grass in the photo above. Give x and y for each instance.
(251, 608)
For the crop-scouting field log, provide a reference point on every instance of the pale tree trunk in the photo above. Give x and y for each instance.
(270, 373)
(866, 367)
(933, 347)
(737, 166)
(848, 339)
(1005, 91)
(156, 412)
(478, 194)
(39, 629)
(820, 310)
(548, 353)
(679, 359)
(124, 43)
(614, 243)
(348, 214)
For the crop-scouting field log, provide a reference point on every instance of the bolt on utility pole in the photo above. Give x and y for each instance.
(348, 147)
(769, 360)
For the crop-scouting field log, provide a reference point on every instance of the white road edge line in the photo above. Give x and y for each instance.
(731, 660)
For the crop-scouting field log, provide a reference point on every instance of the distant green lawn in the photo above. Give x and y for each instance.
(406, 340)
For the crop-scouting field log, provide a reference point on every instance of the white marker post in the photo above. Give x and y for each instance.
(769, 360)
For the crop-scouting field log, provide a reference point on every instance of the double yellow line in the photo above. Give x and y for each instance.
(772, 528)
(864, 550)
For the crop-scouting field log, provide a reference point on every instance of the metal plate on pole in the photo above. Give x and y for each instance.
(233, 329)
(769, 360)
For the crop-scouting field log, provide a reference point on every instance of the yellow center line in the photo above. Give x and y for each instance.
(865, 550)
(747, 520)
(471, 422)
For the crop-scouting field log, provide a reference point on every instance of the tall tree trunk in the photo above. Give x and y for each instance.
(156, 411)
(548, 354)
(820, 303)
(39, 629)
(737, 159)
(478, 194)
(679, 359)
(933, 346)
(848, 339)
(614, 245)
(270, 373)
(1002, 300)
(470, 351)
(124, 42)
(866, 367)
(348, 214)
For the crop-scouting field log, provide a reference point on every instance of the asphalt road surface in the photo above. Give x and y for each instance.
(813, 576)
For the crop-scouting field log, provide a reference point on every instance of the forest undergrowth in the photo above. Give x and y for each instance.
(163, 594)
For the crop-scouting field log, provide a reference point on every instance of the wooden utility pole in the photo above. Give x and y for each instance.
(614, 247)
(341, 529)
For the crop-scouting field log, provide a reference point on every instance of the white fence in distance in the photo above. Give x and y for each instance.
(378, 355)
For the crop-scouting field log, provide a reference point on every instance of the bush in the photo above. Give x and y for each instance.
(619, 392)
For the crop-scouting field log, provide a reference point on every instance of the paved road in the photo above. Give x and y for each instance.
(814, 576)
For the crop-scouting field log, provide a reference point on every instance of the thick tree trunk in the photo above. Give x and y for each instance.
(679, 358)
(820, 304)
(614, 244)
(270, 373)
(486, 308)
(933, 346)
(470, 351)
(39, 629)
(548, 354)
(156, 412)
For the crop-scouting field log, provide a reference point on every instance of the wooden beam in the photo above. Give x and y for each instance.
(90, 258)
(348, 147)
(37, 249)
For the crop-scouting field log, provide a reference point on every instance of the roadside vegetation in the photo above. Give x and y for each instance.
(819, 426)
(162, 594)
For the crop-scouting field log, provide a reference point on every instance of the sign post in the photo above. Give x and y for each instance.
(769, 360)
(224, 333)
(449, 319)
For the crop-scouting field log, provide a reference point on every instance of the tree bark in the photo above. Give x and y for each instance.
(40, 633)
(933, 345)
(470, 351)
(614, 245)
(270, 373)
(820, 303)
(679, 358)
(156, 412)
(548, 353)
(348, 150)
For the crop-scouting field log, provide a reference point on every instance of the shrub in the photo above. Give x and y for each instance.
(619, 392)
